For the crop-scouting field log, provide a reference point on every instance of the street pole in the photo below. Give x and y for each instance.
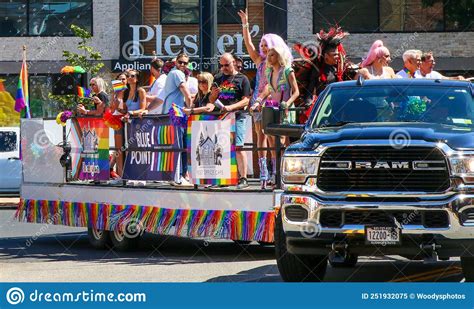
(208, 35)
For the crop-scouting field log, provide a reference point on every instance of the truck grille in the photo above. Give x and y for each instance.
(433, 179)
(337, 218)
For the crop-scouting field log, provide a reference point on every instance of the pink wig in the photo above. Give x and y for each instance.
(376, 51)
(272, 41)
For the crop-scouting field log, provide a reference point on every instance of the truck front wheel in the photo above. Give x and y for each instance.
(297, 268)
(467, 264)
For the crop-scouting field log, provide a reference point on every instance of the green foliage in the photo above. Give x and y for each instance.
(88, 58)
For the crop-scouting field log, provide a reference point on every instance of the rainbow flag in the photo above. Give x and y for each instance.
(22, 97)
(118, 85)
(83, 92)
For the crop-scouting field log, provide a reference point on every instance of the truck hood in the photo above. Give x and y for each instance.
(458, 138)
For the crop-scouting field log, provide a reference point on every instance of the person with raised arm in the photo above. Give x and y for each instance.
(259, 58)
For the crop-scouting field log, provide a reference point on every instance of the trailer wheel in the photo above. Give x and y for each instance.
(98, 239)
(126, 237)
(467, 264)
(297, 268)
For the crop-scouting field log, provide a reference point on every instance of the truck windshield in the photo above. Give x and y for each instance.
(442, 105)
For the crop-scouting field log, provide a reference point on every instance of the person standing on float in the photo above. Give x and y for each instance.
(267, 42)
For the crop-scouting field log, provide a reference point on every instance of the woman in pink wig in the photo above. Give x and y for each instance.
(375, 65)
(267, 42)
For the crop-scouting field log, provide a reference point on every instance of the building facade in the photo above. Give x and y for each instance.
(126, 32)
(444, 27)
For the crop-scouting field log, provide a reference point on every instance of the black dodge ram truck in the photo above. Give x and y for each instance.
(382, 167)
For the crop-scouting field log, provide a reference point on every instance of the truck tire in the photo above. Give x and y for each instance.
(349, 261)
(297, 268)
(124, 241)
(467, 264)
(98, 239)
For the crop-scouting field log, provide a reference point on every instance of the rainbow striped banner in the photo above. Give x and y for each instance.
(83, 92)
(211, 149)
(144, 136)
(118, 85)
(89, 140)
(224, 224)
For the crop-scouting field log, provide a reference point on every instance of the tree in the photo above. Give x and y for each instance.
(89, 59)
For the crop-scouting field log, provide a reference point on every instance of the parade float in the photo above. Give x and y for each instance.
(66, 180)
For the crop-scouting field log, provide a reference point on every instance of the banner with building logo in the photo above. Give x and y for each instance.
(211, 149)
(89, 138)
(144, 136)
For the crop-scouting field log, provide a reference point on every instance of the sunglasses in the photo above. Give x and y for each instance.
(202, 81)
(92, 85)
(182, 62)
(132, 76)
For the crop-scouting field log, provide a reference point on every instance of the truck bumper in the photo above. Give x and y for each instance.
(308, 235)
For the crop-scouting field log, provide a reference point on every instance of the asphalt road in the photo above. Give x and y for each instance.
(46, 253)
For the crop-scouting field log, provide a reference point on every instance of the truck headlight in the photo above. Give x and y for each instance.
(297, 169)
(462, 166)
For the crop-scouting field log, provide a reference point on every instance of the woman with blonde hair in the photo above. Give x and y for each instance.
(99, 97)
(376, 64)
(281, 92)
(201, 102)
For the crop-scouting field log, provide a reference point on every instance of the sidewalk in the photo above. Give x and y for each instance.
(9, 202)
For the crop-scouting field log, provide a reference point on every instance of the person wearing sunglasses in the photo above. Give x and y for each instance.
(411, 63)
(176, 91)
(233, 93)
(134, 96)
(99, 98)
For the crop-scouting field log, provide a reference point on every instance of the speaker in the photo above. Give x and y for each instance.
(65, 84)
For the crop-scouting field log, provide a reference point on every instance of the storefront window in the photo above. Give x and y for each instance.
(13, 18)
(44, 18)
(187, 12)
(355, 16)
(393, 15)
(400, 15)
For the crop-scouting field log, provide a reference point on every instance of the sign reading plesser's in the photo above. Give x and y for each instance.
(145, 135)
(211, 149)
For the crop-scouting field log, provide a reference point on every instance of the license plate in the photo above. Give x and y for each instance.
(382, 235)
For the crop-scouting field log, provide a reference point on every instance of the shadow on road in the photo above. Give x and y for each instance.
(376, 269)
(153, 249)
